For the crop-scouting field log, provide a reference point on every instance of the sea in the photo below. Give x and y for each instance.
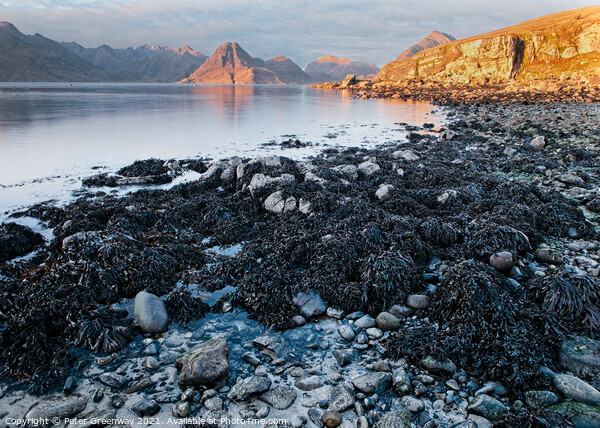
(52, 135)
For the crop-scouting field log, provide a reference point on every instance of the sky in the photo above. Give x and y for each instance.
(370, 31)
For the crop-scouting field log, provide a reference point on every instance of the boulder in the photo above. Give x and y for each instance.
(576, 389)
(384, 191)
(310, 304)
(487, 406)
(502, 261)
(204, 364)
(341, 398)
(581, 415)
(581, 356)
(150, 313)
(244, 388)
(438, 365)
(387, 322)
(372, 383)
(280, 397)
(417, 301)
(349, 80)
(538, 142)
(541, 399)
(56, 406)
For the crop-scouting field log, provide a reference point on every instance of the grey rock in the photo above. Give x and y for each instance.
(275, 203)
(150, 313)
(408, 155)
(487, 406)
(146, 408)
(541, 399)
(309, 383)
(384, 191)
(315, 416)
(365, 322)
(538, 142)
(311, 304)
(581, 415)
(502, 261)
(362, 422)
(439, 366)
(204, 364)
(350, 171)
(331, 418)
(576, 389)
(347, 332)
(280, 397)
(214, 403)
(452, 384)
(181, 410)
(341, 398)
(368, 168)
(412, 404)
(56, 406)
(151, 363)
(251, 359)
(355, 315)
(304, 206)
(480, 421)
(400, 312)
(387, 322)
(263, 412)
(244, 388)
(549, 255)
(372, 383)
(374, 333)
(112, 379)
(417, 301)
(344, 356)
(362, 338)
(299, 320)
(260, 180)
(581, 356)
(394, 419)
(140, 384)
(93, 418)
(273, 345)
(401, 380)
(338, 314)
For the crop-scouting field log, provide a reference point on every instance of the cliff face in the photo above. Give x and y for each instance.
(565, 44)
(432, 40)
(329, 67)
(233, 65)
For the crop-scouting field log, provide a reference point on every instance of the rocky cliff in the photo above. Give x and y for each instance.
(432, 40)
(231, 64)
(562, 45)
(329, 67)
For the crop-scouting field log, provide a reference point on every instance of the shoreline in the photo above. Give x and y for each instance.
(362, 230)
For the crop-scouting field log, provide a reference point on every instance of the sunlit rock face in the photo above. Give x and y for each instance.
(558, 46)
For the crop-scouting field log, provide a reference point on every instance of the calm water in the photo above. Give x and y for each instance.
(51, 135)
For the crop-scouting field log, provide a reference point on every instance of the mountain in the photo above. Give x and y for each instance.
(432, 40)
(152, 63)
(332, 68)
(38, 59)
(558, 46)
(230, 63)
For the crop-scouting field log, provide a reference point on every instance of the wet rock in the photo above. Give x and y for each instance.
(17, 240)
(487, 406)
(112, 379)
(417, 301)
(341, 398)
(338, 314)
(315, 416)
(309, 383)
(274, 346)
(151, 363)
(365, 322)
(331, 418)
(502, 261)
(181, 410)
(394, 419)
(311, 304)
(581, 415)
(400, 312)
(541, 399)
(251, 359)
(375, 333)
(213, 404)
(150, 313)
(538, 142)
(435, 365)
(368, 168)
(384, 191)
(143, 383)
(299, 320)
(408, 155)
(344, 356)
(244, 388)
(69, 386)
(280, 397)
(387, 322)
(480, 421)
(349, 171)
(401, 380)
(372, 383)
(452, 384)
(146, 408)
(260, 180)
(581, 355)
(549, 255)
(204, 364)
(55, 406)
(575, 388)
(346, 332)
(263, 412)
(412, 404)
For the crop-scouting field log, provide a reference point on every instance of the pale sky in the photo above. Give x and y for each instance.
(366, 30)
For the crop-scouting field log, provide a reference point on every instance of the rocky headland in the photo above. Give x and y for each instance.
(448, 279)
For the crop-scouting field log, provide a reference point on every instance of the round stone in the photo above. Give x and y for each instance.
(502, 261)
(331, 418)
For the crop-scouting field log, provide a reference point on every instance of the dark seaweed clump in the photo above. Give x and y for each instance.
(184, 308)
(484, 325)
(142, 168)
(17, 240)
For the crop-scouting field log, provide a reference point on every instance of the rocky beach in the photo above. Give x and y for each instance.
(450, 279)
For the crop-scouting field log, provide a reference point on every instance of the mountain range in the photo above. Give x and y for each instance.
(39, 59)
(432, 40)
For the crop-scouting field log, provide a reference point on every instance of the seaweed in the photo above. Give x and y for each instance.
(493, 238)
(103, 331)
(142, 168)
(17, 240)
(183, 308)
(570, 295)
